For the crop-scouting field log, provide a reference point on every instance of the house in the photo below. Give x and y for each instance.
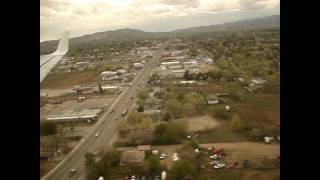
(106, 75)
(178, 73)
(171, 63)
(132, 157)
(138, 65)
(258, 81)
(208, 61)
(110, 88)
(80, 65)
(212, 99)
(144, 148)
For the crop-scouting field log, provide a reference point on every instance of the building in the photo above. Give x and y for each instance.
(80, 65)
(258, 81)
(108, 75)
(144, 148)
(208, 61)
(70, 116)
(175, 67)
(132, 158)
(170, 63)
(110, 88)
(212, 99)
(178, 73)
(138, 65)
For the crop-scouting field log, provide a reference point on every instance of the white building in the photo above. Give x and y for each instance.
(106, 75)
(138, 65)
(167, 64)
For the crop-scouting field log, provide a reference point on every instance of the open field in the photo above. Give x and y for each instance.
(200, 122)
(68, 80)
(262, 108)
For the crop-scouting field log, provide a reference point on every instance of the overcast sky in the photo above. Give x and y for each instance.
(81, 17)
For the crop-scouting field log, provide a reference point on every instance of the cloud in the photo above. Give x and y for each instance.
(89, 16)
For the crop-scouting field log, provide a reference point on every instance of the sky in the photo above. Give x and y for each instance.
(81, 17)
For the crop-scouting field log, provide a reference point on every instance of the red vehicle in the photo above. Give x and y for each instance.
(219, 151)
(233, 164)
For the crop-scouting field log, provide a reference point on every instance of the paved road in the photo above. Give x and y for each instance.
(107, 126)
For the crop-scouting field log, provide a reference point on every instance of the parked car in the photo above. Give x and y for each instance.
(219, 166)
(157, 177)
(72, 172)
(133, 177)
(233, 164)
(214, 162)
(216, 156)
(163, 156)
(97, 134)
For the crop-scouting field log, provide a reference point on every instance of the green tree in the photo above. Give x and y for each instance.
(134, 117)
(143, 94)
(183, 170)
(188, 109)
(221, 112)
(170, 133)
(236, 123)
(174, 107)
(228, 75)
(48, 128)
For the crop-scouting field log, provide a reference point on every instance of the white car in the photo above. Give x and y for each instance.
(97, 134)
(133, 177)
(163, 156)
(219, 166)
(215, 156)
(214, 162)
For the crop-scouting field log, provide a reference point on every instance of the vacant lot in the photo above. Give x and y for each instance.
(238, 151)
(200, 123)
(73, 105)
(68, 80)
(261, 108)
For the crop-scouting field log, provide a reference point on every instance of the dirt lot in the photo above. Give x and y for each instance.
(73, 105)
(235, 151)
(46, 166)
(200, 123)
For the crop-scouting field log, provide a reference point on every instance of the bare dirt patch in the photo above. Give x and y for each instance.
(200, 123)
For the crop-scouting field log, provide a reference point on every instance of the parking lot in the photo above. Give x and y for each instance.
(73, 105)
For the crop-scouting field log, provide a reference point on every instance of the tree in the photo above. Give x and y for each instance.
(174, 107)
(183, 170)
(255, 133)
(221, 112)
(187, 75)
(143, 94)
(215, 74)
(140, 108)
(134, 117)
(228, 75)
(188, 109)
(48, 128)
(236, 123)
(196, 99)
(170, 133)
(100, 88)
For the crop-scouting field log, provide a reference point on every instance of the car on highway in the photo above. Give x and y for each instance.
(97, 134)
(72, 172)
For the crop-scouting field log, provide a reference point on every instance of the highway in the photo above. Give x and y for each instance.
(107, 126)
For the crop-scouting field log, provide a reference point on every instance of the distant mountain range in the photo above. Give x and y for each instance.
(134, 34)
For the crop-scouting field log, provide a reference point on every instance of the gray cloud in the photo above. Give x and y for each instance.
(183, 3)
(253, 4)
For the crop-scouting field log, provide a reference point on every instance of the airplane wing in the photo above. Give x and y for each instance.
(47, 62)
